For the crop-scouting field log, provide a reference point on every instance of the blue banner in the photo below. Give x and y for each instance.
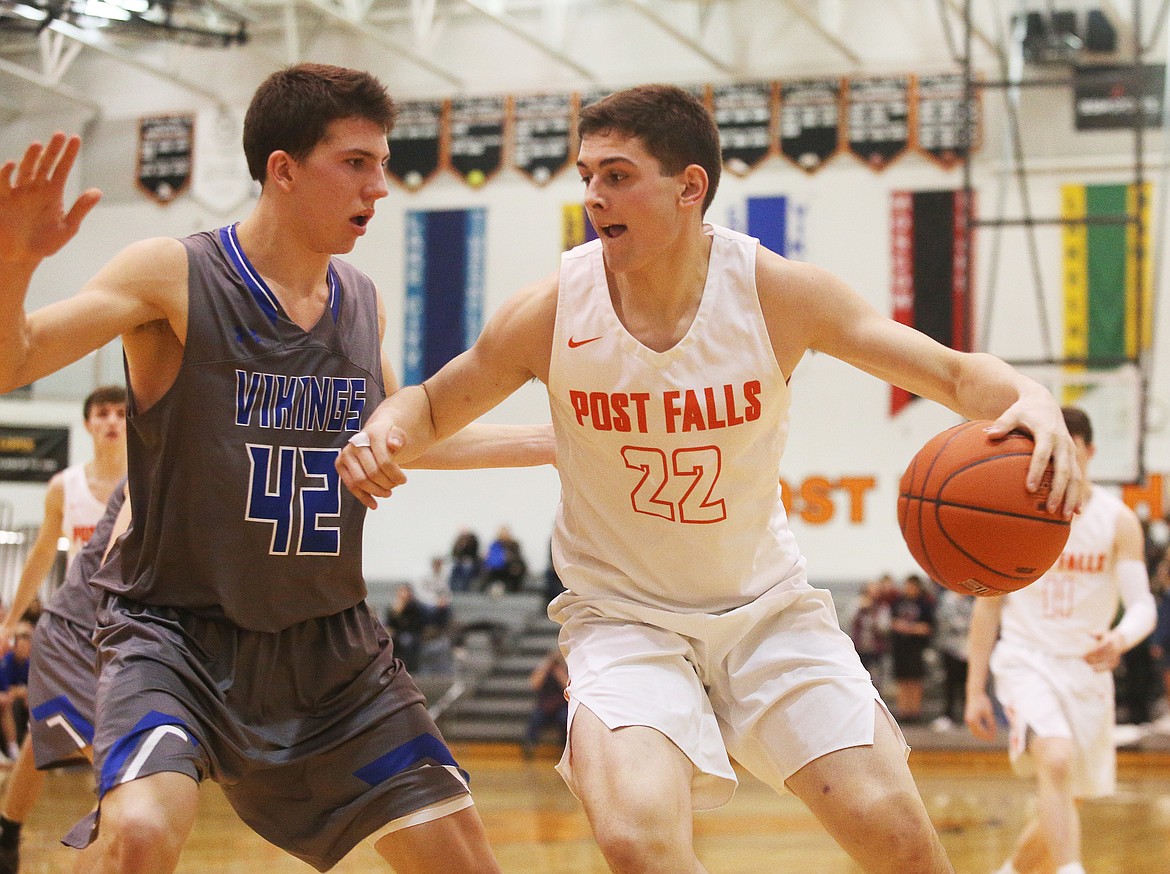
(445, 252)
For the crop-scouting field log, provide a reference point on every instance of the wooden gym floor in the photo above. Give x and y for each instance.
(537, 827)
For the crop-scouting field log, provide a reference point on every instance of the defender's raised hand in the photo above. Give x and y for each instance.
(33, 220)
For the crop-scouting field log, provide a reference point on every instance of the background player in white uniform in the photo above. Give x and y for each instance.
(1053, 665)
(356, 755)
(74, 502)
(690, 629)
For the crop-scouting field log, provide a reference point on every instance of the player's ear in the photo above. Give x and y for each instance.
(280, 166)
(694, 186)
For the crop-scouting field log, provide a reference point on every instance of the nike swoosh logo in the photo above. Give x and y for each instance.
(573, 344)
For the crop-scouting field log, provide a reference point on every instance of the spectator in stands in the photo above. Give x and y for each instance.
(911, 627)
(433, 586)
(413, 624)
(14, 689)
(504, 562)
(551, 708)
(466, 562)
(870, 630)
(952, 624)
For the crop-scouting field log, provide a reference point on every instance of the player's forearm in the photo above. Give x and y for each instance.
(986, 387)
(36, 568)
(482, 445)
(14, 331)
(980, 642)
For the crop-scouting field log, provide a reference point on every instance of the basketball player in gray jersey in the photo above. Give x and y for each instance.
(234, 641)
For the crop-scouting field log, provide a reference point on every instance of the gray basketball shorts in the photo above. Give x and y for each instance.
(62, 686)
(316, 733)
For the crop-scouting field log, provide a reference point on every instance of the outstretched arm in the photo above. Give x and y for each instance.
(144, 283)
(809, 308)
(513, 348)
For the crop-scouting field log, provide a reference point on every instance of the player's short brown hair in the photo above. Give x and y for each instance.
(1078, 424)
(103, 394)
(292, 108)
(673, 124)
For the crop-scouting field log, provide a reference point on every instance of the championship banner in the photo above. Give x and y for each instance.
(879, 118)
(32, 454)
(1108, 312)
(939, 124)
(744, 115)
(414, 142)
(164, 155)
(778, 223)
(476, 137)
(575, 226)
(445, 253)
(930, 254)
(810, 122)
(542, 127)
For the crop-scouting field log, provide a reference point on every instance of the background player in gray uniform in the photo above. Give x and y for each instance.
(71, 515)
(237, 599)
(649, 159)
(1053, 667)
(62, 685)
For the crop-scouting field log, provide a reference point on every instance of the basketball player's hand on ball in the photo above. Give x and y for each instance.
(1040, 416)
(367, 465)
(1106, 655)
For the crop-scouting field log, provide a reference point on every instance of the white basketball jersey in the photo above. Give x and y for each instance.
(1077, 598)
(82, 509)
(670, 461)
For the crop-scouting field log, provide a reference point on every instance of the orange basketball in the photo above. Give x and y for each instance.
(968, 518)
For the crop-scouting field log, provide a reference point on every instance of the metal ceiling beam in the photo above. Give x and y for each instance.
(956, 6)
(42, 81)
(515, 29)
(99, 44)
(827, 35)
(378, 36)
(643, 8)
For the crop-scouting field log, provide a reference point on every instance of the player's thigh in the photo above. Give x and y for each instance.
(859, 790)
(634, 771)
(456, 842)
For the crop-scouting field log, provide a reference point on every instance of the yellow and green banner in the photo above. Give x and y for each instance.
(1107, 308)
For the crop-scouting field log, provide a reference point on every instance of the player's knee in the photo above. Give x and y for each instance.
(1055, 765)
(643, 840)
(141, 836)
(897, 819)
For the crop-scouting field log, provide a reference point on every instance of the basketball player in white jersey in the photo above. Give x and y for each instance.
(74, 502)
(1053, 667)
(689, 626)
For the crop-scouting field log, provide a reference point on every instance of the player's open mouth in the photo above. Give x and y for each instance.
(361, 220)
(613, 231)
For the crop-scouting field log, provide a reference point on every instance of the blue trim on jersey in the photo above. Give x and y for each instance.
(63, 706)
(266, 300)
(425, 747)
(125, 746)
(334, 292)
(264, 295)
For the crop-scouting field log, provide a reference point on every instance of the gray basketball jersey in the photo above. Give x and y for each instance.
(76, 600)
(239, 511)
